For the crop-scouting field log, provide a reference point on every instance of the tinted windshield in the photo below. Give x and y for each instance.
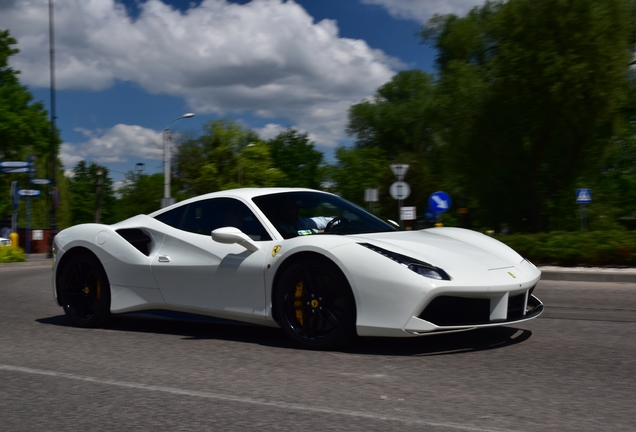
(306, 213)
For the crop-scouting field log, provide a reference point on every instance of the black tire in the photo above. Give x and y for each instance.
(84, 291)
(315, 305)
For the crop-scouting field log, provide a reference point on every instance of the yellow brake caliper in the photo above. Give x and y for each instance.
(298, 302)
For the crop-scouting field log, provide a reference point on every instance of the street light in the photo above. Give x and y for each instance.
(166, 200)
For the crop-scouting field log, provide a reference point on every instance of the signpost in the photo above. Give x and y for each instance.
(583, 197)
(399, 190)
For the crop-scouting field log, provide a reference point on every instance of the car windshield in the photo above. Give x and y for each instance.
(306, 213)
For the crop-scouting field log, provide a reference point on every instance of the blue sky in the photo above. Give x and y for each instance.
(126, 69)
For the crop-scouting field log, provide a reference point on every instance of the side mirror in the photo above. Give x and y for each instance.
(231, 235)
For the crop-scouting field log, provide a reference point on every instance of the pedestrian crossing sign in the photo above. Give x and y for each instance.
(583, 196)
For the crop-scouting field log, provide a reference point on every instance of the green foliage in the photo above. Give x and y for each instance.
(399, 118)
(528, 94)
(591, 248)
(141, 194)
(11, 254)
(25, 130)
(357, 169)
(84, 188)
(298, 161)
(226, 156)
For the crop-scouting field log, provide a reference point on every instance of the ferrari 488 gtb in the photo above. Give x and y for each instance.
(312, 263)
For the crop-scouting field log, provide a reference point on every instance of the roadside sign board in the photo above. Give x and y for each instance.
(16, 164)
(29, 193)
(9, 170)
(583, 196)
(370, 195)
(399, 170)
(408, 213)
(440, 201)
(400, 190)
(38, 181)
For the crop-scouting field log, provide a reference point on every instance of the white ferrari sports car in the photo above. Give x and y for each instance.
(321, 268)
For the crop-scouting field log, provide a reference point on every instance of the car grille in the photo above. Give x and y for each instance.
(461, 311)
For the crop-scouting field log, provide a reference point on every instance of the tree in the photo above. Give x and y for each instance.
(141, 194)
(399, 118)
(295, 156)
(529, 93)
(92, 192)
(357, 169)
(226, 156)
(25, 130)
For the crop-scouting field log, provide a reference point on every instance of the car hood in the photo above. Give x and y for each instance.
(448, 248)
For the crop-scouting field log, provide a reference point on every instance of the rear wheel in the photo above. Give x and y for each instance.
(316, 306)
(84, 291)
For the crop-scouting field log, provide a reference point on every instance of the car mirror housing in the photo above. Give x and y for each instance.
(231, 235)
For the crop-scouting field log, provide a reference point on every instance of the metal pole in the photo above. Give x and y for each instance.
(53, 129)
(166, 167)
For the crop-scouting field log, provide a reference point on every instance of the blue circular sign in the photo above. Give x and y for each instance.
(439, 201)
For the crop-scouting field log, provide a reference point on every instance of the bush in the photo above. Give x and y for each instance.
(11, 254)
(586, 248)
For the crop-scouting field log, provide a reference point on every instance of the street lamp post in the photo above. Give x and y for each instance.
(167, 200)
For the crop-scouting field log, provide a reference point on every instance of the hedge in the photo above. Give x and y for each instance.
(580, 248)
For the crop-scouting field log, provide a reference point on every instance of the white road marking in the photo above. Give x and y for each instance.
(230, 398)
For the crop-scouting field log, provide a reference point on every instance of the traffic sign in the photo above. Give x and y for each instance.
(16, 164)
(408, 213)
(370, 195)
(9, 170)
(38, 181)
(439, 201)
(400, 190)
(29, 192)
(430, 214)
(399, 170)
(583, 196)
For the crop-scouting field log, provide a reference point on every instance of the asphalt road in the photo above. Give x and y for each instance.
(571, 370)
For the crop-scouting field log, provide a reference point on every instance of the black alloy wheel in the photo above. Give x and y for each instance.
(316, 306)
(84, 291)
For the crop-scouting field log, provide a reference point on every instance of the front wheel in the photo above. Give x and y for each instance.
(316, 306)
(84, 291)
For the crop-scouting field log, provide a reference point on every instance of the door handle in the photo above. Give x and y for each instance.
(164, 258)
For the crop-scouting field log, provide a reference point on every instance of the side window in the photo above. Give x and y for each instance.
(172, 217)
(203, 217)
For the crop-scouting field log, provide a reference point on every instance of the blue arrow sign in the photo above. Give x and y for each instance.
(439, 201)
(583, 196)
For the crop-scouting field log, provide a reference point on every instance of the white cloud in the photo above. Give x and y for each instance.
(116, 144)
(422, 10)
(268, 57)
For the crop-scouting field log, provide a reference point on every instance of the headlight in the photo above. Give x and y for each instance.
(420, 267)
(426, 271)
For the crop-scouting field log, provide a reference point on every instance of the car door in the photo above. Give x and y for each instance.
(197, 274)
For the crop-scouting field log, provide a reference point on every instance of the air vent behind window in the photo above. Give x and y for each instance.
(137, 238)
